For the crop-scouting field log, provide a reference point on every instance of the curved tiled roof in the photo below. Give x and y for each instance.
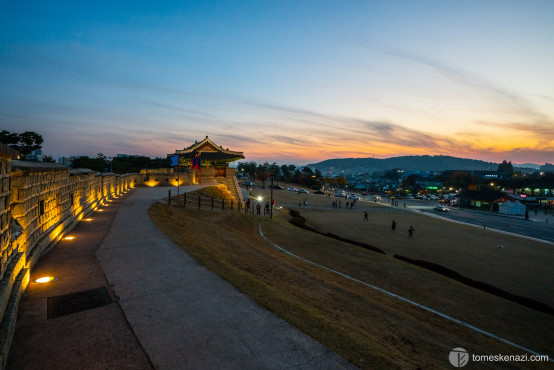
(210, 152)
(486, 196)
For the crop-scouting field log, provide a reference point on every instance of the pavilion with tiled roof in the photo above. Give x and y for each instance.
(215, 159)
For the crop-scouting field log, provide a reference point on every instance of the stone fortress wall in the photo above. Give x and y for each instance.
(39, 204)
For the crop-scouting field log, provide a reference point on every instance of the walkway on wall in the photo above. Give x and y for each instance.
(172, 313)
(184, 315)
(88, 339)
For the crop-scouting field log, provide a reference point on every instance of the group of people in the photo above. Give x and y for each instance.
(248, 205)
(349, 203)
(411, 230)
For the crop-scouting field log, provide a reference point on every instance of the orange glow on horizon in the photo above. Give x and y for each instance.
(473, 146)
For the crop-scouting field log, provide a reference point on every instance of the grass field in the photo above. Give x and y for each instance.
(523, 267)
(370, 329)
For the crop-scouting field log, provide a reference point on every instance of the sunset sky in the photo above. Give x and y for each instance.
(285, 81)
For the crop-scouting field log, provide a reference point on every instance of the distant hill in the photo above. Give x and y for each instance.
(408, 163)
(527, 165)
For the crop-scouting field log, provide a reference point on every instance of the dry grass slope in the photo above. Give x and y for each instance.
(368, 328)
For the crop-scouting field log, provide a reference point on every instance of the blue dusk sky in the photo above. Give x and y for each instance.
(285, 81)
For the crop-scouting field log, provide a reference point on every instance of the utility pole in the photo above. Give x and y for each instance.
(178, 182)
(271, 206)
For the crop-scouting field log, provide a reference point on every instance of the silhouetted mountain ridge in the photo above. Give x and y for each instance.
(408, 163)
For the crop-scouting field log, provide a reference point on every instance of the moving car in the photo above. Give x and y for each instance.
(355, 197)
(441, 209)
(376, 197)
(340, 195)
(319, 192)
(293, 189)
(303, 191)
(278, 187)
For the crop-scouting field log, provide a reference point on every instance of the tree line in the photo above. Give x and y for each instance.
(25, 143)
(289, 173)
(120, 165)
(29, 141)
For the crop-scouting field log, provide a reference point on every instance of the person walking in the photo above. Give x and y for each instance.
(258, 209)
(411, 232)
(247, 206)
(393, 227)
(266, 209)
(365, 216)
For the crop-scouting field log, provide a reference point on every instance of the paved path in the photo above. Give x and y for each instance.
(184, 315)
(98, 338)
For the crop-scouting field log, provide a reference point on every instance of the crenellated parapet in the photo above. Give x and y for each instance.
(39, 204)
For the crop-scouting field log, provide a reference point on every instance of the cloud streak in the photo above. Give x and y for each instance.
(334, 133)
(467, 78)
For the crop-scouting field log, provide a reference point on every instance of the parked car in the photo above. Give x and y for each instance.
(319, 192)
(293, 189)
(278, 187)
(248, 183)
(365, 193)
(303, 191)
(441, 208)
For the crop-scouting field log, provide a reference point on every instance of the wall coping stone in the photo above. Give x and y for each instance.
(6, 151)
(18, 164)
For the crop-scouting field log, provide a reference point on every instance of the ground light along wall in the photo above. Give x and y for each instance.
(39, 204)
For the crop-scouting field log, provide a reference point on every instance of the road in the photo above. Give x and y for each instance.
(535, 227)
